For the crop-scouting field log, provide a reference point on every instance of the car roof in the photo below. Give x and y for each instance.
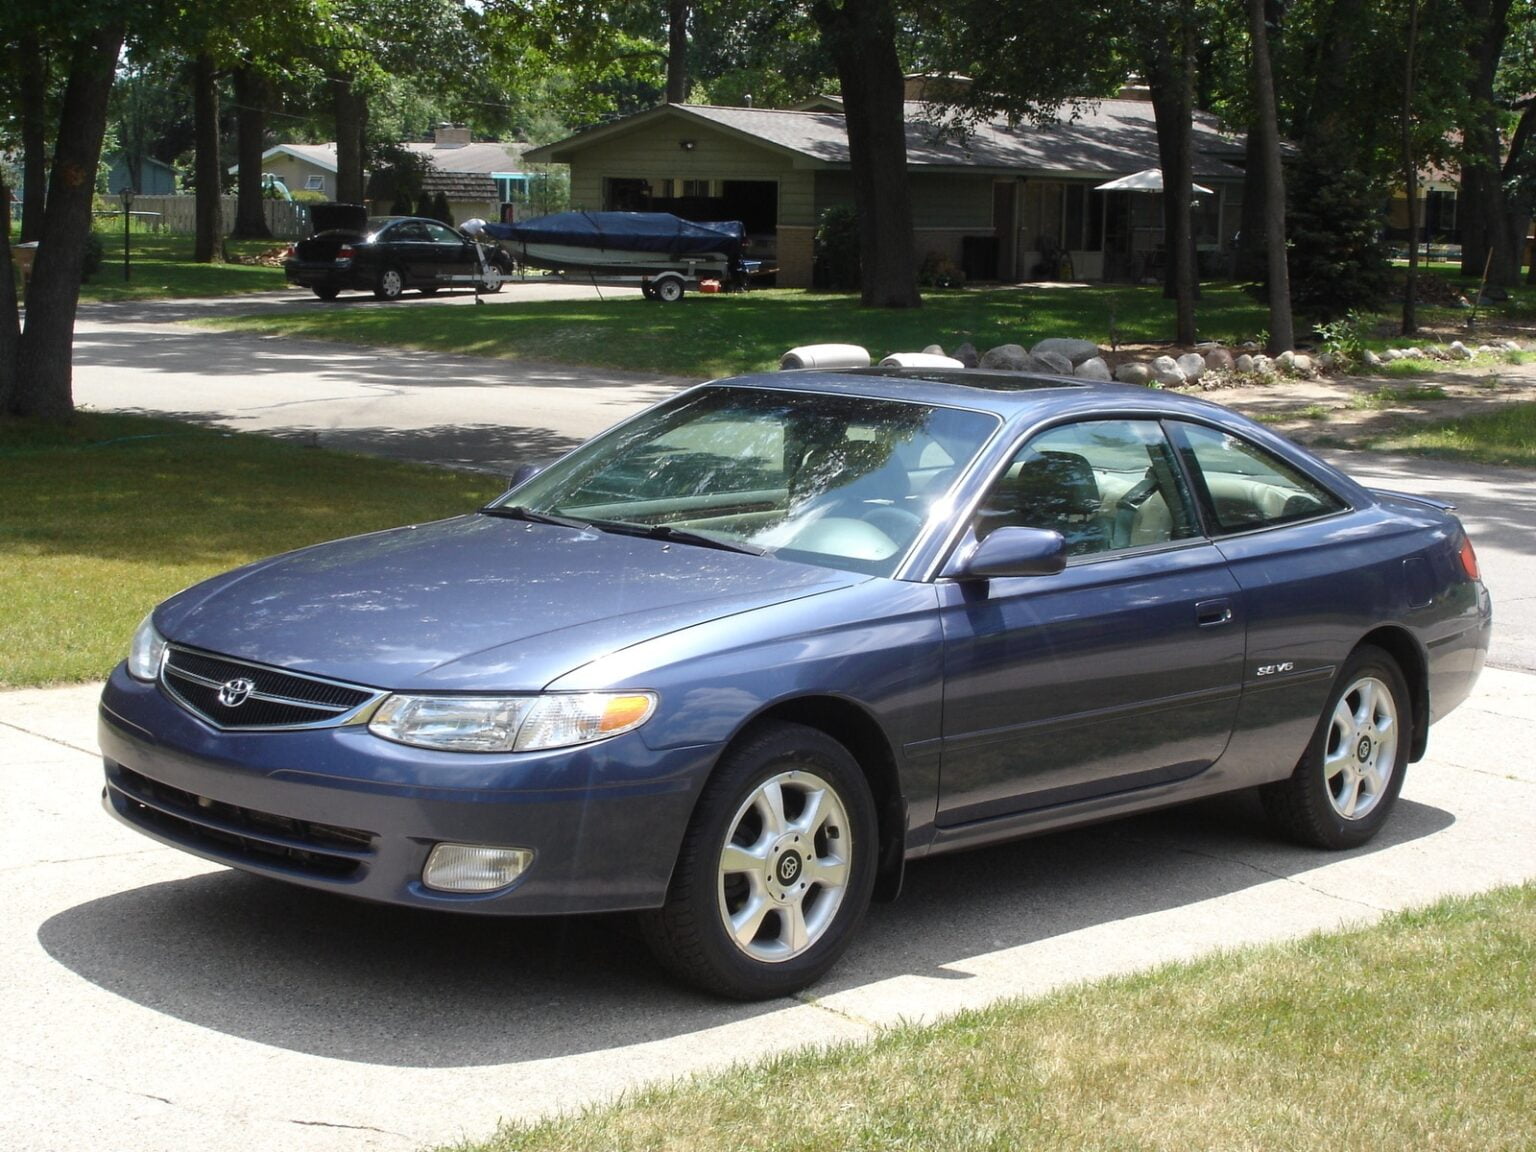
(1008, 395)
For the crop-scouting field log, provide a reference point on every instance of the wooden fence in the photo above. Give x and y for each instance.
(288, 221)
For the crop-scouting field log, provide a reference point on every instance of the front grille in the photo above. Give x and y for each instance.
(239, 835)
(274, 699)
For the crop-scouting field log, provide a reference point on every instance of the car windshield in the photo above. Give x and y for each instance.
(840, 481)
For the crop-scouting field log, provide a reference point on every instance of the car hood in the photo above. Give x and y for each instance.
(473, 603)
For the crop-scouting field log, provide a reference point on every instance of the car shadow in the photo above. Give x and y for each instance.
(324, 975)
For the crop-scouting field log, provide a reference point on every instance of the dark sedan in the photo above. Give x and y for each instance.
(386, 255)
(733, 663)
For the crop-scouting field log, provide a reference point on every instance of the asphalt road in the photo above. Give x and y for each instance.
(153, 1002)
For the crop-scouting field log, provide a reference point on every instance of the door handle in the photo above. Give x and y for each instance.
(1213, 613)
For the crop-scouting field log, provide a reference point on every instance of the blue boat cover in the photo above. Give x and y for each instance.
(627, 232)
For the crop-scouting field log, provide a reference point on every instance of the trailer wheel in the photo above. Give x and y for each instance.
(669, 289)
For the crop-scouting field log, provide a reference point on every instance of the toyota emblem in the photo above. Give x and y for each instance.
(233, 693)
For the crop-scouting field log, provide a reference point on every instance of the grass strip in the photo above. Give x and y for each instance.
(703, 336)
(1418, 1032)
(103, 519)
(1504, 435)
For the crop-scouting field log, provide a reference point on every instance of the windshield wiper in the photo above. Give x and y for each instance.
(672, 534)
(519, 512)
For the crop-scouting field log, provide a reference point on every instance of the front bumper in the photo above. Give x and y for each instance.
(342, 810)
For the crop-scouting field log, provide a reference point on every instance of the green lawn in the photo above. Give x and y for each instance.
(1505, 434)
(161, 267)
(100, 522)
(705, 336)
(1417, 1033)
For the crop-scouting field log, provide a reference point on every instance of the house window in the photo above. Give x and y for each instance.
(699, 188)
(314, 183)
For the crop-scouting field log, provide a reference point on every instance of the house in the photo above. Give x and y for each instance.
(1001, 202)
(148, 177)
(478, 179)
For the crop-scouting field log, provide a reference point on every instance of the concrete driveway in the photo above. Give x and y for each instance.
(155, 1002)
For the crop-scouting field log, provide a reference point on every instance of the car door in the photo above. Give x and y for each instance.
(409, 248)
(452, 255)
(1123, 670)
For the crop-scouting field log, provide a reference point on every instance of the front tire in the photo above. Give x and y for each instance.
(776, 868)
(1347, 782)
(389, 284)
(326, 293)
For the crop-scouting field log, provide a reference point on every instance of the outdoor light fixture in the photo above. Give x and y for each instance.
(686, 145)
(126, 195)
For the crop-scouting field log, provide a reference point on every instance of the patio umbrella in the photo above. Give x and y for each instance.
(1147, 180)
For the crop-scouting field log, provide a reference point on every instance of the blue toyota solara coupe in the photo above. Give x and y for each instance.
(733, 663)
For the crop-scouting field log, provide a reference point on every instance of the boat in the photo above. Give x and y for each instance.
(660, 249)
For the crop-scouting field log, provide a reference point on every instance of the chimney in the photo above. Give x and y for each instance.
(450, 136)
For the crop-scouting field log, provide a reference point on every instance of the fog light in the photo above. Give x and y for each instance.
(474, 867)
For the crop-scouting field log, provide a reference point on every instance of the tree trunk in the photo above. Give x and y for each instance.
(1482, 205)
(43, 386)
(10, 317)
(1282, 334)
(251, 124)
(34, 136)
(350, 108)
(1410, 322)
(1170, 81)
(677, 50)
(860, 36)
(208, 245)
(1251, 259)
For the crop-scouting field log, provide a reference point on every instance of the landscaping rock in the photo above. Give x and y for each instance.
(1391, 354)
(1218, 360)
(1301, 364)
(1460, 351)
(1372, 360)
(966, 354)
(1243, 363)
(1286, 360)
(1133, 372)
(1192, 364)
(1076, 351)
(934, 350)
(1166, 371)
(1093, 368)
(1058, 364)
(1263, 365)
(1005, 357)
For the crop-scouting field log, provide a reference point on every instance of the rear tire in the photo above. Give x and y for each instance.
(776, 868)
(1344, 787)
(389, 284)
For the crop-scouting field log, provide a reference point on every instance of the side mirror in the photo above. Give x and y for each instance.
(1010, 552)
(524, 473)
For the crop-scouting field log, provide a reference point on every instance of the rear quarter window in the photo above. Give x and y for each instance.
(1243, 487)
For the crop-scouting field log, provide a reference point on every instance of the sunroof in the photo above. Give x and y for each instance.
(973, 378)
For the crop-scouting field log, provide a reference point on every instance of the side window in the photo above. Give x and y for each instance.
(408, 231)
(1244, 487)
(1105, 485)
(441, 234)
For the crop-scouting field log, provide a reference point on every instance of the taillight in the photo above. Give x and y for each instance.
(1468, 557)
(292, 253)
(344, 252)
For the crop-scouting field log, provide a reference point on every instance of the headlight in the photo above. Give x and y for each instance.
(510, 723)
(146, 651)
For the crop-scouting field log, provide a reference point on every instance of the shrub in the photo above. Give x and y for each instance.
(95, 253)
(939, 271)
(836, 265)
